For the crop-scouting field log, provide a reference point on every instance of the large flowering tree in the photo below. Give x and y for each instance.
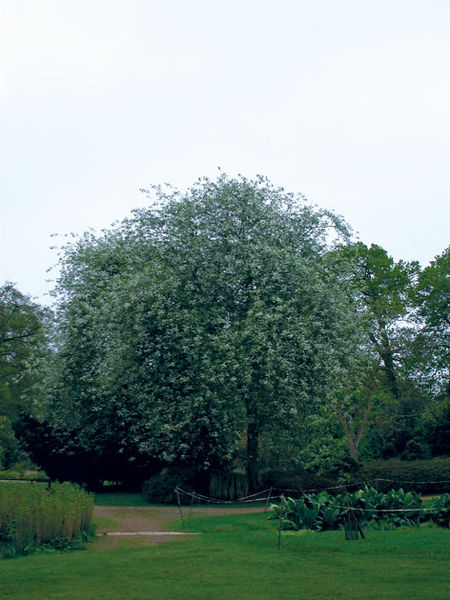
(206, 320)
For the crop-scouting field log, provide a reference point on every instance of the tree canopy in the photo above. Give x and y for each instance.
(23, 325)
(201, 323)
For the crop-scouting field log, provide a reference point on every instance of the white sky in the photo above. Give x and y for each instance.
(347, 102)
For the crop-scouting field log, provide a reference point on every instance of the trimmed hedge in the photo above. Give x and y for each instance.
(297, 479)
(423, 476)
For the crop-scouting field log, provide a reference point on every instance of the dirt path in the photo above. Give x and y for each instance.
(154, 519)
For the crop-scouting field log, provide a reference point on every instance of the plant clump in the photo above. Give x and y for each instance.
(35, 516)
(395, 508)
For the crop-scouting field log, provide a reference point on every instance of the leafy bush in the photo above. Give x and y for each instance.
(62, 455)
(313, 511)
(33, 516)
(23, 471)
(416, 449)
(296, 479)
(303, 516)
(373, 504)
(11, 452)
(441, 511)
(423, 476)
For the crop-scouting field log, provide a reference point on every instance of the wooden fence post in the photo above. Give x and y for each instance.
(279, 521)
(267, 501)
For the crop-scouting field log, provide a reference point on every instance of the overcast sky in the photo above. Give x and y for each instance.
(347, 102)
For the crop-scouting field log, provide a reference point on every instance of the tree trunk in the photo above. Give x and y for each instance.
(252, 456)
(352, 440)
(387, 356)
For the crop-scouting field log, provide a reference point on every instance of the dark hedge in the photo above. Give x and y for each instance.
(423, 476)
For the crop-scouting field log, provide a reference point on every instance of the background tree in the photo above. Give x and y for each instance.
(406, 316)
(385, 288)
(431, 347)
(23, 326)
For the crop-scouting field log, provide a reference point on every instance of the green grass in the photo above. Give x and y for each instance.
(235, 558)
(100, 522)
(119, 499)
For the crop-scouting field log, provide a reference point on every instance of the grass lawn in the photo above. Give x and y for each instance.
(119, 499)
(236, 557)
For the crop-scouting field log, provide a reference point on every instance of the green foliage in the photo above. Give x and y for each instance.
(298, 479)
(62, 454)
(416, 449)
(384, 288)
(23, 326)
(297, 514)
(430, 351)
(23, 350)
(11, 452)
(33, 516)
(215, 316)
(431, 475)
(436, 429)
(441, 513)
(372, 500)
(22, 470)
(391, 400)
(371, 507)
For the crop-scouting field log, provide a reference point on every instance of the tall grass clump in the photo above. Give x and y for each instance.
(33, 516)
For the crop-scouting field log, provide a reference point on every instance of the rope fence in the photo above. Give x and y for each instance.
(268, 494)
(351, 527)
(386, 510)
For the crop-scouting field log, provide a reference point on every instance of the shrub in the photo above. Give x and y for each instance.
(63, 457)
(423, 476)
(297, 480)
(34, 515)
(416, 449)
(441, 511)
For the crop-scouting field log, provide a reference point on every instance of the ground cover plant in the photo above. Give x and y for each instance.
(236, 557)
(372, 508)
(36, 516)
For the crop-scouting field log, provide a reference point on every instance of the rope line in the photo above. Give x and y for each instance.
(387, 510)
(332, 487)
(263, 497)
(405, 481)
(244, 500)
(282, 498)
